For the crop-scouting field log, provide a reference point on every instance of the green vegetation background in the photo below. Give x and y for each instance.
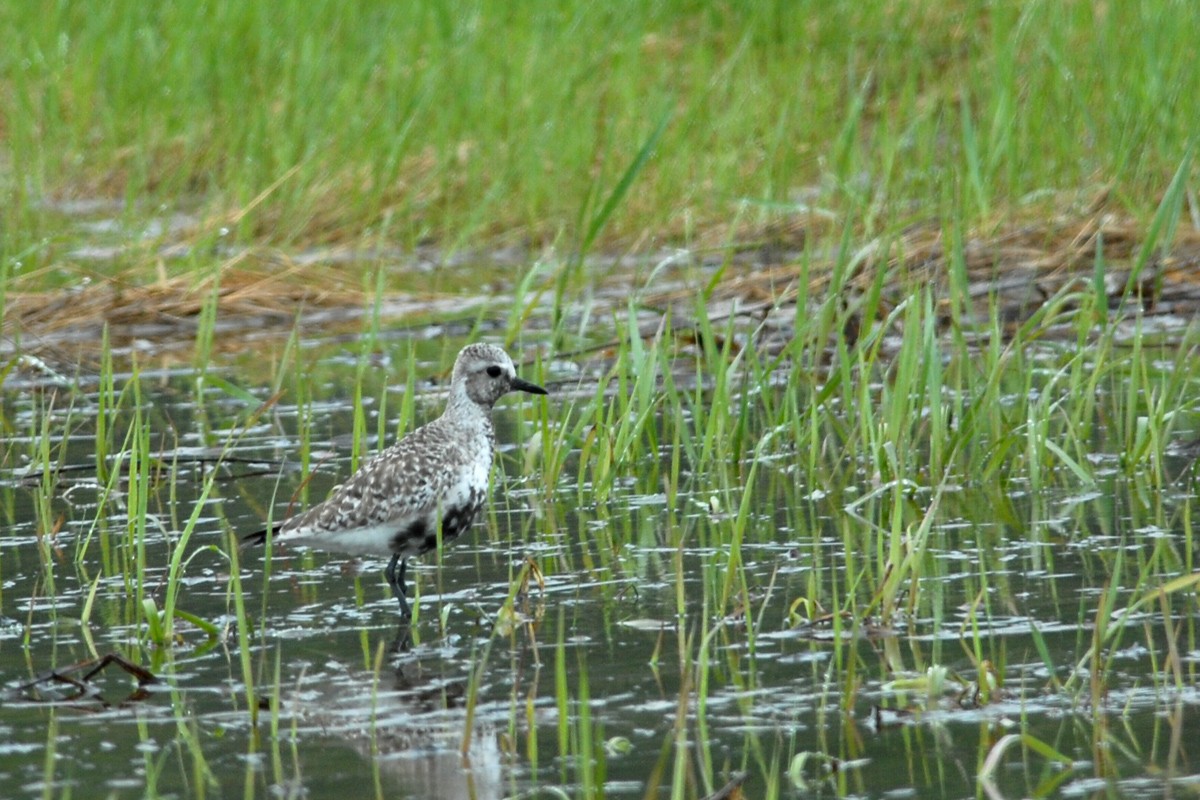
(478, 124)
(637, 125)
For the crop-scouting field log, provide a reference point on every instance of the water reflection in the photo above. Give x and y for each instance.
(410, 721)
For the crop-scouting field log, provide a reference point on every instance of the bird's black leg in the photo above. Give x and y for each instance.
(395, 578)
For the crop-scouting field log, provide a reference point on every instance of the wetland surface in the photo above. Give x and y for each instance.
(673, 630)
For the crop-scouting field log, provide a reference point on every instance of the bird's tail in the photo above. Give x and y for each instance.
(260, 537)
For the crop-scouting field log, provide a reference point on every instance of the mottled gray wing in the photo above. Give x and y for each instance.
(403, 480)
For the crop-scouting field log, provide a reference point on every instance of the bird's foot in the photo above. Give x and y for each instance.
(403, 641)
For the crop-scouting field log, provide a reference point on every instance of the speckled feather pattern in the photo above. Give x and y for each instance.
(435, 478)
(435, 468)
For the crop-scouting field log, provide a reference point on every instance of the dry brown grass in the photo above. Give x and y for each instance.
(1022, 266)
(175, 302)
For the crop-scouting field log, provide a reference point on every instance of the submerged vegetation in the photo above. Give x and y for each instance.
(871, 453)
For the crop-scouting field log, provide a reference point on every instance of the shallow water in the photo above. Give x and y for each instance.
(615, 677)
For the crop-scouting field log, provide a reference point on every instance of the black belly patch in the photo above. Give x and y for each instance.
(454, 522)
(457, 520)
(405, 539)
(418, 538)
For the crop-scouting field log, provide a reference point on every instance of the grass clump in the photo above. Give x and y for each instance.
(463, 124)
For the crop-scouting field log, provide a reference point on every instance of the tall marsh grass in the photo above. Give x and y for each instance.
(860, 469)
(465, 123)
(905, 453)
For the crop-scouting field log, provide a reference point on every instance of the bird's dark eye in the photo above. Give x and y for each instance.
(494, 371)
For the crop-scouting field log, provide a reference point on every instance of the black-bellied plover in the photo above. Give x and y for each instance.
(431, 483)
